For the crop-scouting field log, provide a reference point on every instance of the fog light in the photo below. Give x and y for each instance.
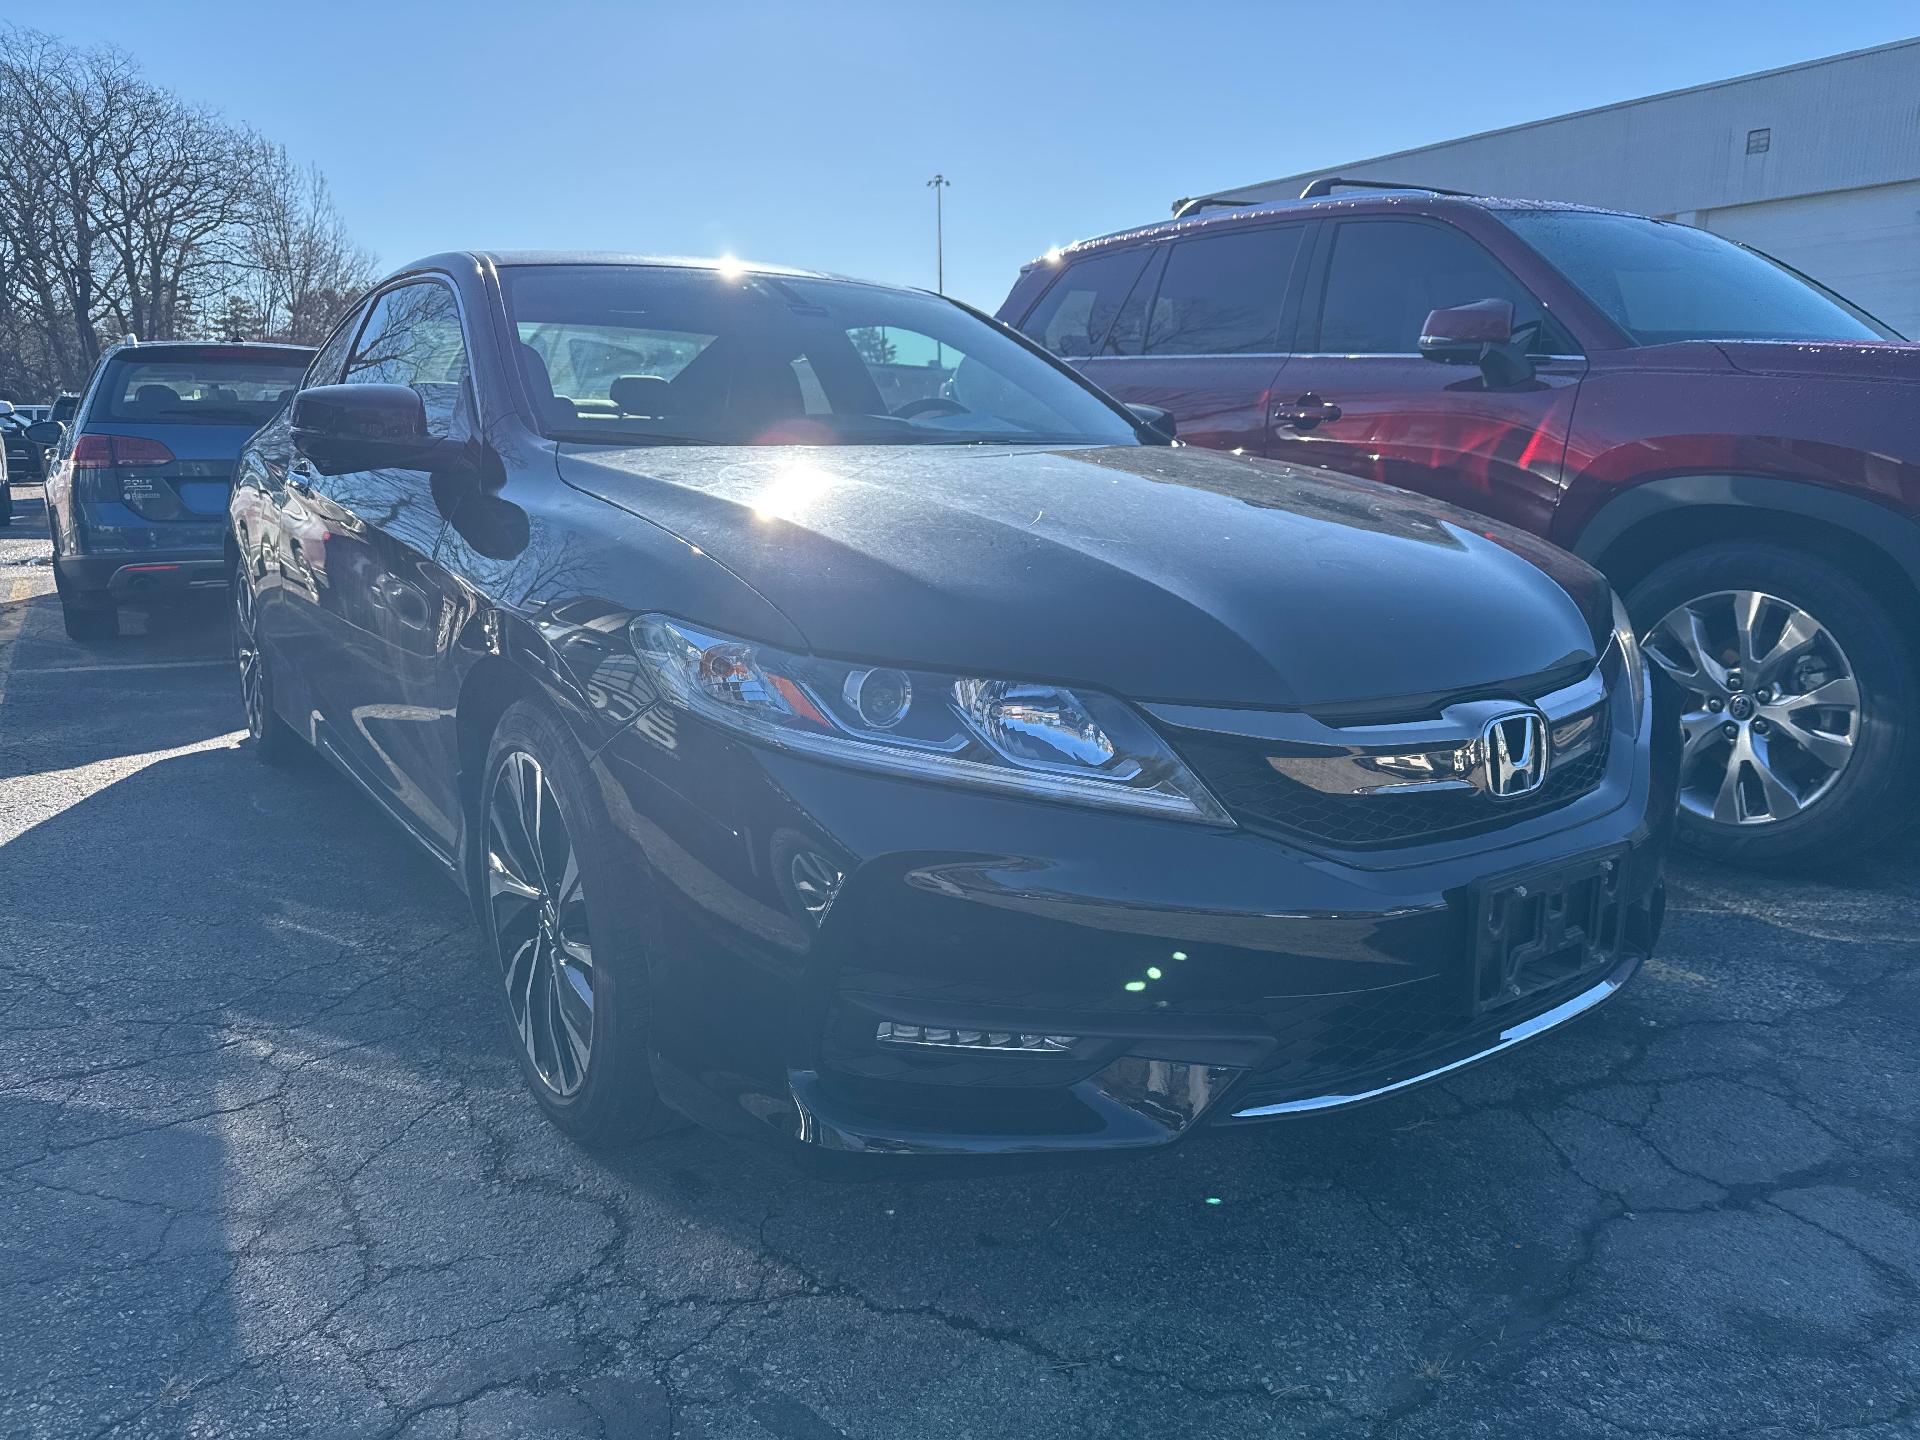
(948, 1037)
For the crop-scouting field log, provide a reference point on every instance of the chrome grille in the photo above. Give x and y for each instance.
(1362, 786)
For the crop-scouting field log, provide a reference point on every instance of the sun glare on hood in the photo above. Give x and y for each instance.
(791, 492)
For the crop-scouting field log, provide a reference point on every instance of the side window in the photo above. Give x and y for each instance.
(1222, 294)
(326, 366)
(1074, 315)
(1386, 275)
(1129, 333)
(412, 337)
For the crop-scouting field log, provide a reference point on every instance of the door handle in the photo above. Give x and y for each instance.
(1305, 413)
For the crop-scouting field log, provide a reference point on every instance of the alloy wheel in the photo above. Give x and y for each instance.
(538, 913)
(246, 654)
(1772, 708)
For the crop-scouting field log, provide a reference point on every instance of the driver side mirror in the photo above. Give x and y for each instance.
(1155, 425)
(46, 433)
(1477, 334)
(361, 427)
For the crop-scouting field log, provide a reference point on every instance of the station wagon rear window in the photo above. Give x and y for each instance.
(190, 391)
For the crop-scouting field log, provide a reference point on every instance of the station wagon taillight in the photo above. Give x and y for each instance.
(107, 452)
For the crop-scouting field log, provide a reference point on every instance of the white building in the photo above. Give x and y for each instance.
(1817, 164)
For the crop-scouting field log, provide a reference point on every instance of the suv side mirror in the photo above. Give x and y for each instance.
(1155, 425)
(1477, 334)
(6, 407)
(46, 433)
(361, 427)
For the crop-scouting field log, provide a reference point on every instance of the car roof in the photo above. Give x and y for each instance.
(160, 349)
(1372, 202)
(510, 259)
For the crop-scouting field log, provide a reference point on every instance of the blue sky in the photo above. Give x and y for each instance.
(804, 133)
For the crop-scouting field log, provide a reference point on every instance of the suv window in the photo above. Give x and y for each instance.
(1386, 275)
(1222, 294)
(413, 338)
(1073, 317)
(1662, 282)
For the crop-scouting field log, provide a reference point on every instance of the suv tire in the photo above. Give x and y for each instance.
(91, 620)
(609, 1095)
(1817, 628)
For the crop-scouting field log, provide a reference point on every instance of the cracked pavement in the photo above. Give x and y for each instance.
(266, 1168)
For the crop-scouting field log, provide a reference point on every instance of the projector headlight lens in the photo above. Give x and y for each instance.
(1045, 741)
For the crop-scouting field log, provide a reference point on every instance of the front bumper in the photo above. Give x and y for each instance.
(1205, 976)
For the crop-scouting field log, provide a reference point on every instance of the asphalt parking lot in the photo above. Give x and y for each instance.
(266, 1167)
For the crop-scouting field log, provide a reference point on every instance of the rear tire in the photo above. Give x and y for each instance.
(274, 741)
(1858, 773)
(90, 624)
(566, 929)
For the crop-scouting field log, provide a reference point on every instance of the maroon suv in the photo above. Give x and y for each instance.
(1735, 446)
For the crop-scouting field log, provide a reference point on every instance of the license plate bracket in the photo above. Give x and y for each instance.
(1534, 929)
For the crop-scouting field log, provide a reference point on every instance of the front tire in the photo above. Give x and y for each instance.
(1799, 746)
(566, 929)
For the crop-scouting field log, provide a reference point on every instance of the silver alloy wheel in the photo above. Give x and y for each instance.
(1772, 709)
(538, 912)
(246, 654)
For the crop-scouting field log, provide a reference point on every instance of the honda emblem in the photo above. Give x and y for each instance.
(1515, 747)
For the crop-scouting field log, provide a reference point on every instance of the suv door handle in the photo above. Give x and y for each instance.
(1305, 413)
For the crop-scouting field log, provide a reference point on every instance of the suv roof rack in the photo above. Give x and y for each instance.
(1193, 204)
(1319, 189)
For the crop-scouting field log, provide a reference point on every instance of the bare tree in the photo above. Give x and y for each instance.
(302, 268)
(124, 209)
(56, 111)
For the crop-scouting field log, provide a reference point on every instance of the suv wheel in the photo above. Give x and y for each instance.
(1798, 740)
(90, 619)
(566, 929)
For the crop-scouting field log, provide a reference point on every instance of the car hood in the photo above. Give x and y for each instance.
(1826, 359)
(1162, 573)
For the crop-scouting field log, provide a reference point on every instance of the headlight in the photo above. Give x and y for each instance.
(1633, 665)
(1034, 739)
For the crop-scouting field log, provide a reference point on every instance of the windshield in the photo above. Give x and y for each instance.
(1661, 282)
(668, 354)
(192, 390)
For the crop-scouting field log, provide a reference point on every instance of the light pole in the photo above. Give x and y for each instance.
(937, 184)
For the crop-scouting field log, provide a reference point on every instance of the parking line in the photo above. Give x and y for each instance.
(11, 621)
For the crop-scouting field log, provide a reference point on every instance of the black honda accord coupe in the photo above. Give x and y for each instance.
(853, 729)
